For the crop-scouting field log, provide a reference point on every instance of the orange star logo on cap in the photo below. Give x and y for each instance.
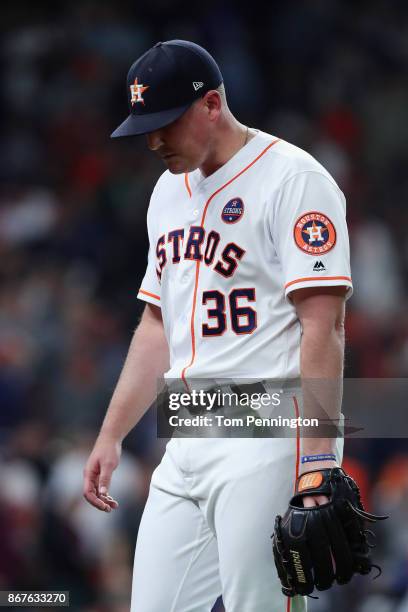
(136, 90)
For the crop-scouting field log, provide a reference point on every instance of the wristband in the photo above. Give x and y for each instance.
(326, 457)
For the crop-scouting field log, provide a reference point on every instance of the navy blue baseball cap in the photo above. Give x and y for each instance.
(164, 82)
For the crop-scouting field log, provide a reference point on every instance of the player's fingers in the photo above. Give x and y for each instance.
(310, 501)
(90, 479)
(109, 500)
(105, 479)
(90, 490)
(95, 501)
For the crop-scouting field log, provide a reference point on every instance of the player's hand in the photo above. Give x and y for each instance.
(103, 460)
(314, 547)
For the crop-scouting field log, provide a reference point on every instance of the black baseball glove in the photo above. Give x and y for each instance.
(313, 547)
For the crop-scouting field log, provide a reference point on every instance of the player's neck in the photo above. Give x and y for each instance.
(230, 138)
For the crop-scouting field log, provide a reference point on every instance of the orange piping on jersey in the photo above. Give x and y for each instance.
(313, 278)
(295, 403)
(187, 183)
(193, 350)
(157, 297)
(296, 406)
(236, 176)
(197, 272)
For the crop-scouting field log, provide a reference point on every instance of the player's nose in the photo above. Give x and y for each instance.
(154, 140)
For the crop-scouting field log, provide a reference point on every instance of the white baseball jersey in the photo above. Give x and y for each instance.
(227, 250)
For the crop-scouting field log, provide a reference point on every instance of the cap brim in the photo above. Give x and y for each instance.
(135, 125)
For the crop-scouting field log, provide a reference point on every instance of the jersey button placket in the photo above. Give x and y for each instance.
(195, 214)
(185, 279)
(196, 206)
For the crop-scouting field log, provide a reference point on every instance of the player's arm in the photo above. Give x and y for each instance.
(322, 537)
(146, 362)
(321, 311)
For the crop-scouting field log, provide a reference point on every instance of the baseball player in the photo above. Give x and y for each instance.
(247, 276)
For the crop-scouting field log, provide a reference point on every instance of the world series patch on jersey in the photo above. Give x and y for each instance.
(227, 250)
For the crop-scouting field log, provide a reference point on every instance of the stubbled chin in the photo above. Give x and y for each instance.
(176, 170)
(175, 167)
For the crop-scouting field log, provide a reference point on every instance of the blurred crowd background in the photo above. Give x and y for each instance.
(330, 76)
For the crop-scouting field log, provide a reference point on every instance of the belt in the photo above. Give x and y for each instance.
(239, 390)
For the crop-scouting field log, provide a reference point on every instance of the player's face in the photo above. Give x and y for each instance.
(184, 145)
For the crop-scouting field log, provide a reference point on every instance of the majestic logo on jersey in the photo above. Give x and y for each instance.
(314, 233)
(136, 91)
(319, 267)
(233, 211)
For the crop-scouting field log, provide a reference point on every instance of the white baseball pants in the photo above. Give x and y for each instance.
(206, 529)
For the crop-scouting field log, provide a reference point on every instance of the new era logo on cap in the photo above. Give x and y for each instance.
(197, 85)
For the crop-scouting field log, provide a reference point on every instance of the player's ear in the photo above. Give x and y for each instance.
(212, 103)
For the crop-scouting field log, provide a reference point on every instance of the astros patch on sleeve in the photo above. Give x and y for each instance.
(310, 233)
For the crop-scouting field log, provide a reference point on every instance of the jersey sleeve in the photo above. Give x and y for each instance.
(310, 234)
(150, 288)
